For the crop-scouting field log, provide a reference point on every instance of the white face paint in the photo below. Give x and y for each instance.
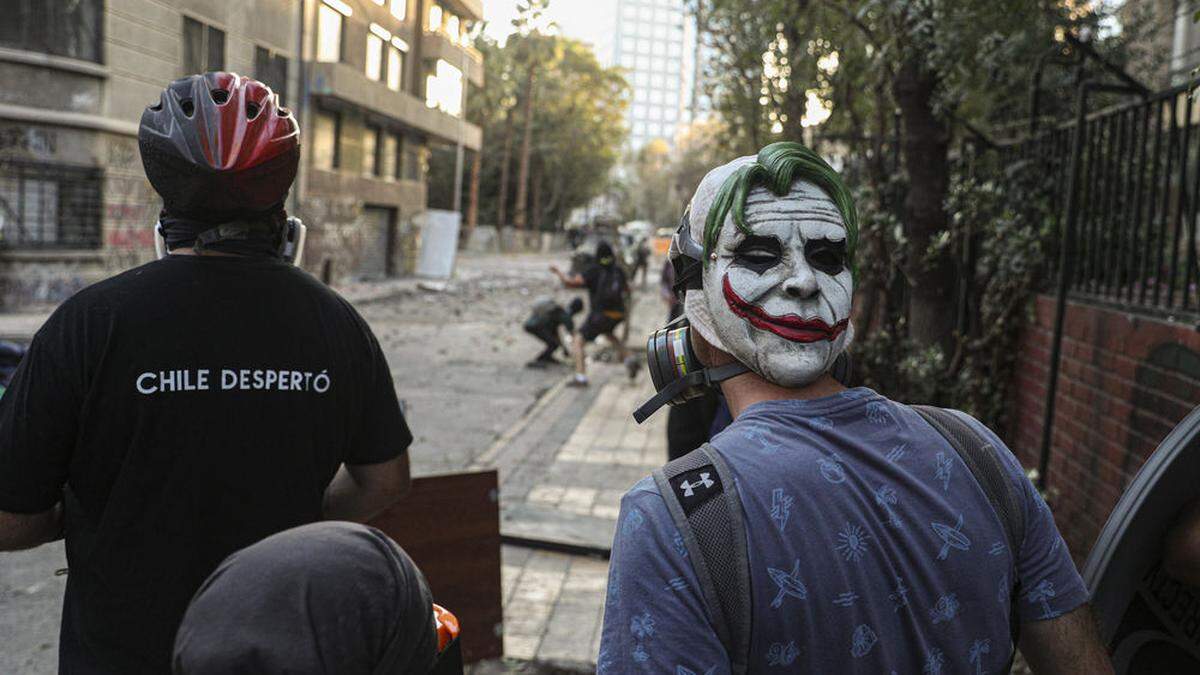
(780, 297)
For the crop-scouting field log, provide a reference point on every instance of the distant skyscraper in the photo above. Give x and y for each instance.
(653, 40)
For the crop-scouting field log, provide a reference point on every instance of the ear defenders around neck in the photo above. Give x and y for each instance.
(291, 250)
(676, 372)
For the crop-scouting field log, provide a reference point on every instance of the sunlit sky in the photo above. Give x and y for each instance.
(575, 18)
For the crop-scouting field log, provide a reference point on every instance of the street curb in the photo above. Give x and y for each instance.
(485, 459)
(556, 546)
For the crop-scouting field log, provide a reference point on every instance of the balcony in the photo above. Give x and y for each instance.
(471, 9)
(346, 83)
(436, 45)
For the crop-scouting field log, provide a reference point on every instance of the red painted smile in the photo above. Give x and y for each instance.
(789, 327)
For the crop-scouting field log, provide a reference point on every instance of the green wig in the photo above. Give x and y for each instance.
(777, 167)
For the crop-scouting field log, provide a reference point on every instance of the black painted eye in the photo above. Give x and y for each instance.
(758, 253)
(826, 255)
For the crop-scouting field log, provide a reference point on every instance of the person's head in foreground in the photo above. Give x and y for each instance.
(222, 153)
(330, 597)
(778, 231)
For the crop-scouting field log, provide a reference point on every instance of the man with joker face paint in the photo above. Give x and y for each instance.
(870, 545)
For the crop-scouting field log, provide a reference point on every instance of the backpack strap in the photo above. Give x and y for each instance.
(703, 500)
(985, 465)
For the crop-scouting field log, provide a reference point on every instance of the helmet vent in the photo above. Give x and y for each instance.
(187, 106)
(252, 110)
(220, 96)
(283, 112)
(156, 106)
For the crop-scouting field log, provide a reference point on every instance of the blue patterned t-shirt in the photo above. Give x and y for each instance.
(872, 549)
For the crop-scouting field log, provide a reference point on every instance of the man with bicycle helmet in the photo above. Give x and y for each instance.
(184, 409)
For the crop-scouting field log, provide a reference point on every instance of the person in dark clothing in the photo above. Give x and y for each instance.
(608, 296)
(543, 323)
(331, 597)
(182, 410)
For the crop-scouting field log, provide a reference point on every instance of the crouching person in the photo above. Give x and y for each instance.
(827, 530)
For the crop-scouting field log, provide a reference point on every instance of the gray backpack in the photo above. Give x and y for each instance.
(707, 511)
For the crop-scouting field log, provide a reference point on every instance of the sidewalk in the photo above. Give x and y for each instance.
(563, 469)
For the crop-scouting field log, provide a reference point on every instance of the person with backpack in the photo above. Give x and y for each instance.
(543, 323)
(608, 295)
(184, 409)
(827, 529)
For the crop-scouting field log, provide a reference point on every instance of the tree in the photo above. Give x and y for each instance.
(575, 130)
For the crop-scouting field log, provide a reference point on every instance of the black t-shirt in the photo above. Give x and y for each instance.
(606, 288)
(549, 315)
(183, 410)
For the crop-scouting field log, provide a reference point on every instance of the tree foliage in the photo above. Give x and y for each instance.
(577, 127)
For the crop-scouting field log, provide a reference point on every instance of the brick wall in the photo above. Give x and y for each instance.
(1125, 381)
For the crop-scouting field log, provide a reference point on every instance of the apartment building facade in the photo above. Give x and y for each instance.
(374, 84)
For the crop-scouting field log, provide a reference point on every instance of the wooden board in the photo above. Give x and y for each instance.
(450, 525)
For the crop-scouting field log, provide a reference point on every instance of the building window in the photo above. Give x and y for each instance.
(453, 27)
(327, 145)
(395, 66)
(435, 17)
(203, 47)
(329, 34)
(400, 9)
(70, 29)
(49, 206)
(371, 164)
(413, 162)
(444, 89)
(374, 57)
(388, 158)
(271, 69)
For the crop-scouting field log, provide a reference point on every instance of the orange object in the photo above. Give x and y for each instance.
(447, 626)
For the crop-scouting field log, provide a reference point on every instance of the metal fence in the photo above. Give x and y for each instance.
(49, 206)
(1137, 191)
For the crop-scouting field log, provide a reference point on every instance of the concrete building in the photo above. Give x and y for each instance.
(375, 83)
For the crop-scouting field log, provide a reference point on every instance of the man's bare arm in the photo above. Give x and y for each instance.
(1068, 645)
(27, 530)
(568, 280)
(362, 491)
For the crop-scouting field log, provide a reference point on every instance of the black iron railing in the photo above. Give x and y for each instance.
(49, 206)
(1134, 235)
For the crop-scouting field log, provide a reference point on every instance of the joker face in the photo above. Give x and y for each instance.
(780, 297)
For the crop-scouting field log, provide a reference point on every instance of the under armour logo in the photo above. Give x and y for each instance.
(689, 487)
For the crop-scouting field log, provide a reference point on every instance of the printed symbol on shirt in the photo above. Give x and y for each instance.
(952, 537)
(642, 626)
(677, 584)
(996, 549)
(789, 584)
(689, 488)
(943, 466)
(640, 654)
(633, 522)
(979, 649)
(762, 439)
(852, 542)
(885, 497)
(603, 662)
(945, 609)
(899, 597)
(780, 654)
(897, 453)
(1041, 594)
(678, 545)
(821, 422)
(862, 641)
(877, 413)
(855, 394)
(684, 670)
(1002, 594)
(846, 599)
(831, 469)
(934, 661)
(781, 507)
